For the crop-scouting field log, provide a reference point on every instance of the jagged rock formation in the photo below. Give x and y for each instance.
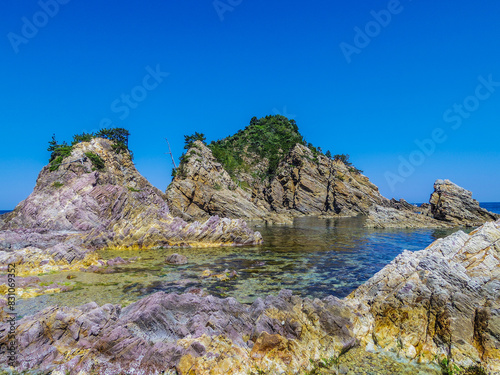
(267, 172)
(453, 204)
(208, 190)
(436, 304)
(187, 333)
(113, 206)
(442, 301)
(304, 184)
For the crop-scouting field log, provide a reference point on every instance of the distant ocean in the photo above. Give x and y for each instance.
(4, 212)
(491, 206)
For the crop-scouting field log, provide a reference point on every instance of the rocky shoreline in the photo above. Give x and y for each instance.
(429, 308)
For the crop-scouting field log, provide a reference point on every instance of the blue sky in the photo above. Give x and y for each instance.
(421, 71)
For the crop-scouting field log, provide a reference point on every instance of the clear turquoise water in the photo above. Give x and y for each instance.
(314, 257)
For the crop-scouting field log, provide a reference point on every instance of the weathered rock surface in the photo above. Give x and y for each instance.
(308, 185)
(112, 207)
(389, 217)
(32, 260)
(442, 301)
(208, 190)
(303, 185)
(439, 303)
(176, 259)
(453, 204)
(186, 333)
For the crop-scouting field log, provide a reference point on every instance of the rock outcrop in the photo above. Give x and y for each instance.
(113, 206)
(453, 204)
(308, 185)
(441, 302)
(304, 184)
(203, 188)
(438, 306)
(184, 333)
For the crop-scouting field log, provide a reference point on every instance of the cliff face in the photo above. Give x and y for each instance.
(111, 206)
(304, 184)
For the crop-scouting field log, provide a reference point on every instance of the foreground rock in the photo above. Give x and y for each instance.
(436, 306)
(109, 207)
(187, 333)
(453, 204)
(439, 302)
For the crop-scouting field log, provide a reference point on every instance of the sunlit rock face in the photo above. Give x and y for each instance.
(308, 185)
(304, 184)
(442, 301)
(113, 206)
(452, 203)
(186, 333)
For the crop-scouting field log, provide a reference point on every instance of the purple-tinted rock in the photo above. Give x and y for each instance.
(176, 259)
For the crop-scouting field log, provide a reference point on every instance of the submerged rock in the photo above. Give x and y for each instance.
(176, 259)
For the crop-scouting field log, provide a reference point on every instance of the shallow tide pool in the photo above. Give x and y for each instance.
(314, 257)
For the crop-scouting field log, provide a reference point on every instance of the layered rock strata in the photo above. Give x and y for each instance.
(109, 207)
(303, 185)
(442, 302)
(308, 185)
(453, 204)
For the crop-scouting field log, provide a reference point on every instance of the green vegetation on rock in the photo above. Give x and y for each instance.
(256, 150)
(96, 160)
(119, 137)
(270, 138)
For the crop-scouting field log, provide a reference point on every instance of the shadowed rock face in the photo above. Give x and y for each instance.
(441, 302)
(453, 204)
(114, 206)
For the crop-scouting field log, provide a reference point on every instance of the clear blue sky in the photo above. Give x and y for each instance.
(254, 58)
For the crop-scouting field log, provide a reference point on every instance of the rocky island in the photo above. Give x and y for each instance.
(269, 172)
(430, 312)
